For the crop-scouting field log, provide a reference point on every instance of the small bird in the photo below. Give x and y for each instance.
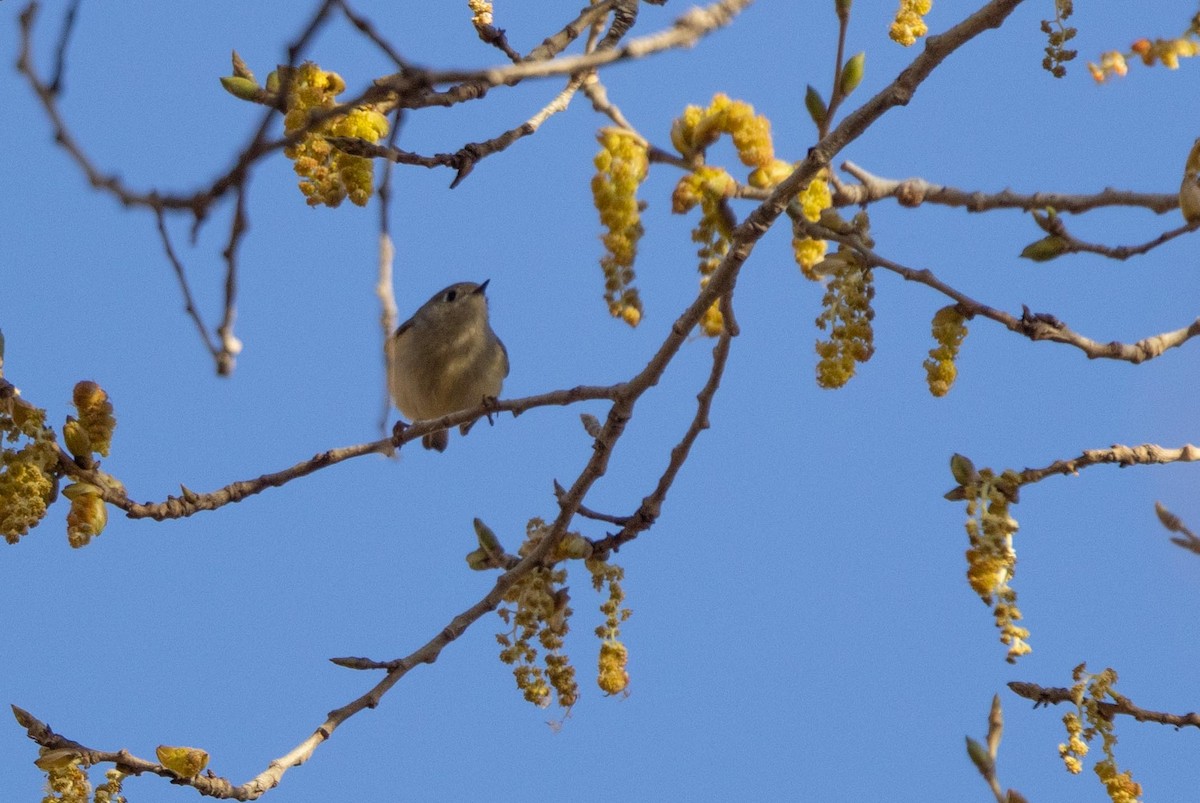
(446, 358)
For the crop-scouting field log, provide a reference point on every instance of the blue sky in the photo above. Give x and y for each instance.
(802, 625)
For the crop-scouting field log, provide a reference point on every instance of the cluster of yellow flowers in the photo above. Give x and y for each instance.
(29, 464)
(1089, 692)
(1111, 63)
(698, 128)
(539, 610)
(847, 314)
(1166, 52)
(991, 559)
(909, 25)
(67, 781)
(815, 199)
(811, 205)
(481, 11)
(90, 434)
(809, 252)
(613, 677)
(95, 416)
(710, 187)
(27, 461)
(621, 167)
(949, 329)
(329, 175)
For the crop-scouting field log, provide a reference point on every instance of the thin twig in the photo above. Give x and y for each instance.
(1070, 244)
(230, 345)
(465, 159)
(189, 303)
(60, 53)
(648, 512)
(385, 289)
(368, 30)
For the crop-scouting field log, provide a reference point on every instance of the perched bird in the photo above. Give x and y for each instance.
(446, 358)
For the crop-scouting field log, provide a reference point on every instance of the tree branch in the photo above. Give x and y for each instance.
(1123, 706)
(916, 191)
(191, 502)
(1144, 455)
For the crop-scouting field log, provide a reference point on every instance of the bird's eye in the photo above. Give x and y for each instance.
(451, 295)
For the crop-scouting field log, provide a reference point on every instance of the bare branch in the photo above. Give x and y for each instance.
(60, 53)
(189, 303)
(368, 30)
(551, 46)
(1144, 455)
(915, 191)
(191, 503)
(1055, 225)
(230, 345)
(1049, 695)
(468, 155)
(648, 512)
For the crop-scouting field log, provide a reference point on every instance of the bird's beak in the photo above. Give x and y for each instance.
(481, 287)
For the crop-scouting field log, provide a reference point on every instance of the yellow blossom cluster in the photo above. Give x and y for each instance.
(815, 199)
(991, 559)
(87, 517)
(809, 253)
(328, 175)
(67, 780)
(1111, 63)
(708, 187)
(28, 458)
(949, 328)
(711, 187)
(538, 609)
(614, 657)
(95, 415)
(91, 433)
(110, 790)
(712, 322)
(1088, 692)
(613, 677)
(621, 167)
(697, 128)
(846, 314)
(481, 11)
(1166, 52)
(909, 25)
